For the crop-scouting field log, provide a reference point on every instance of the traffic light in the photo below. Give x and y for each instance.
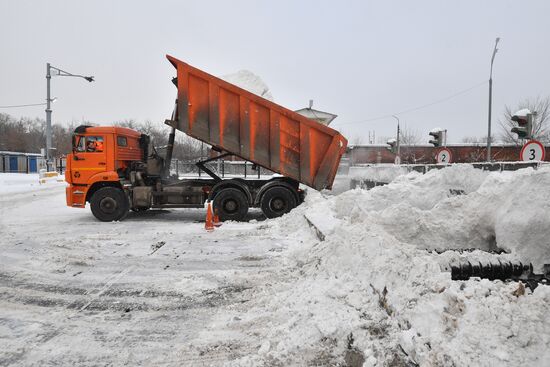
(437, 140)
(524, 118)
(392, 145)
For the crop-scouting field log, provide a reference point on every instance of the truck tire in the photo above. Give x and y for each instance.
(109, 204)
(231, 204)
(277, 201)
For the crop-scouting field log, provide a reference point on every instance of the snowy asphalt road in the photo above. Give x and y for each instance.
(156, 289)
(77, 291)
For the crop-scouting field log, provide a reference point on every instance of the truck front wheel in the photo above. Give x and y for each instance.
(109, 204)
(277, 201)
(231, 204)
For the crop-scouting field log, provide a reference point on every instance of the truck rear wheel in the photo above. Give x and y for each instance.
(277, 201)
(109, 204)
(231, 204)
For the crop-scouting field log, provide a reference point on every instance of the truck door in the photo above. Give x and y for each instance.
(89, 157)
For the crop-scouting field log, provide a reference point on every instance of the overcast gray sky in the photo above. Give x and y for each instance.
(358, 59)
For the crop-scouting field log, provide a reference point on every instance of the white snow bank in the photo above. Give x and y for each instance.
(249, 81)
(509, 208)
(18, 183)
(379, 173)
(373, 282)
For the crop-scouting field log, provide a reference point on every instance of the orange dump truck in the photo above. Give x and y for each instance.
(117, 169)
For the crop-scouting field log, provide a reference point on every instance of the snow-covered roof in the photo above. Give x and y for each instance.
(322, 117)
(6, 152)
(436, 130)
(523, 112)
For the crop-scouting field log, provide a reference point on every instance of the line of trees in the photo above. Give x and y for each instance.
(29, 136)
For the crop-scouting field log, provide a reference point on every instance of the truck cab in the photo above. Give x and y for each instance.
(99, 159)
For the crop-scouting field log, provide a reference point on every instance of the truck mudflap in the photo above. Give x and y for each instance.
(248, 126)
(75, 196)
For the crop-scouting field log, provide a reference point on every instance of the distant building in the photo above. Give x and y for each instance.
(19, 162)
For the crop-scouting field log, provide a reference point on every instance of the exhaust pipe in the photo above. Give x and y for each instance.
(169, 152)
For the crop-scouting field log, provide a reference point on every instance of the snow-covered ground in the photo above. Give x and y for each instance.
(156, 289)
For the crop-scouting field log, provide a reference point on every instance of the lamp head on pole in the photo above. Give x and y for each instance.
(495, 50)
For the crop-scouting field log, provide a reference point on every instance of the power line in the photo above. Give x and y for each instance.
(419, 107)
(24, 105)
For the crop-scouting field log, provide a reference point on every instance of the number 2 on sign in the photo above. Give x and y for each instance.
(444, 158)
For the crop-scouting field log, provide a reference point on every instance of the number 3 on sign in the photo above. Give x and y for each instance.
(533, 150)
(444, 156)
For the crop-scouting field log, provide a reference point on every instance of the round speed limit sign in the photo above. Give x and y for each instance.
(533, 150)
(444, 156)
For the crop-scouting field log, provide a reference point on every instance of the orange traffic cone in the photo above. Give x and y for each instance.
(208, 225)
(217, 222)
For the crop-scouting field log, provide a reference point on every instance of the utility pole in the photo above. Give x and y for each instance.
(49, 100)
(491, 101)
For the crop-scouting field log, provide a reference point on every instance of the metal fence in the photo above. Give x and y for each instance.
(221, 168)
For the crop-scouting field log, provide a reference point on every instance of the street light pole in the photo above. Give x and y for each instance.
(491, 101)
(398, 138)
(49, 100)
(48, 117)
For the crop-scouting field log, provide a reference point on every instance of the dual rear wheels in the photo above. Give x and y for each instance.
(277, 201)
(232, 204)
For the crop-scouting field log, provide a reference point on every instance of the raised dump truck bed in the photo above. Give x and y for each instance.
(236, 121)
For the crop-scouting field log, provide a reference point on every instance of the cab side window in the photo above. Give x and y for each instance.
(121, 141)
(90, 144)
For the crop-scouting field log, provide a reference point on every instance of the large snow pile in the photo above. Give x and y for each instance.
(371, 292)
(249, 81)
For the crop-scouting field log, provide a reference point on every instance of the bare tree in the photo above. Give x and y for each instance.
(358, 140)
(186, 148)
(541, 123)
(408, 136)
(408, 139)
(28, 135)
